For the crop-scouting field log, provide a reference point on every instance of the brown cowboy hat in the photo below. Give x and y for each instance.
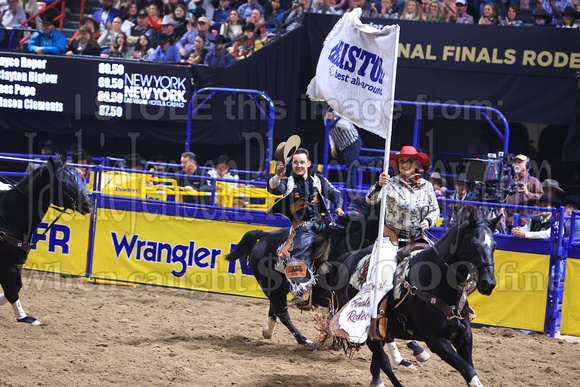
(410, 151)
(286, 149)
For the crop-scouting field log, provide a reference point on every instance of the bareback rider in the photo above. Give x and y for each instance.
(302, 203)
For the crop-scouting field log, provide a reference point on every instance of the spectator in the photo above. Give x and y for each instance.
(461, 191)
(366, 10)
(84, 44)
(344, 137)
(222, 170)
(165, 52)
(439, 185)
(412, 11)
(47, 148)
(194, 11)
(179, 16)
(11, 15)
(462, 17)
(219, 57)
(489, 15)
(106, 14)
(540, 226)
(434, 12)
(81, 157)
(142, 28)
(247, 44)
(168, 28)
(232, 28)
(109, 36)
(258, 20)
(154, 18)
(294, 19)
(222, 13)
(170, 6)
(274, 11)
(528, 187)
(90, 22)
(186, 43)
(542, 17)
(120, 49)
(449, 9)
(48, 40)
(513, 16)
(555, 8)
(572, 203)
(197, 56)
(552, 188)
(387, 11)
(246, 9)
(569, 16)
(143, 49)
(143, 4)
(191, 177)
(135, 161)
(130, 13)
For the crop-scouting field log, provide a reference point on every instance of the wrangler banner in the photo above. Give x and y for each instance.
(570, 324)
(519, 298)
(171, 251)
(64, 247)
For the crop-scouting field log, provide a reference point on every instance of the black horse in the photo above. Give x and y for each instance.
(425, 303)
(21, 211)
(259, 247)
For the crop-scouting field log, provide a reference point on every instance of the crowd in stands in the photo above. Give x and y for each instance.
(243, 26)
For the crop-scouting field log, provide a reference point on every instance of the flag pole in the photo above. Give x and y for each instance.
(383, 195)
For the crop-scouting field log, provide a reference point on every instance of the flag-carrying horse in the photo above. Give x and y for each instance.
(260, 249)
(429, 299)
(21, 211)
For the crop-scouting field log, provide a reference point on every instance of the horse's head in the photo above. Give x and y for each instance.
(477, 246)
(66, 190)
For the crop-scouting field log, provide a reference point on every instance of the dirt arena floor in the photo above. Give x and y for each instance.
(97, 335)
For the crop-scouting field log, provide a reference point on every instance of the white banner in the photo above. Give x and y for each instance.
(356, 73)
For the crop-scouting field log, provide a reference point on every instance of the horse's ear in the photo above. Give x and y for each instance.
(473, 215)
(496, 221)
(51, 166)
(62, 157)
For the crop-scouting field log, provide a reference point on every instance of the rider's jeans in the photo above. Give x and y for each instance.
(303, 245)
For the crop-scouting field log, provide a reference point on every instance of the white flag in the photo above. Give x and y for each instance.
(356, 73)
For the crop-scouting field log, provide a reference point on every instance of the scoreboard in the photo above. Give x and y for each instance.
(102, 87)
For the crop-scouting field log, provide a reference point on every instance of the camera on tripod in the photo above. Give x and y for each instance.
(492, 176)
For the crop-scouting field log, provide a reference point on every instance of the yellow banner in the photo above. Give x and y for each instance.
(519, 299)
(570, 324)
(64, 247)
(172, 251)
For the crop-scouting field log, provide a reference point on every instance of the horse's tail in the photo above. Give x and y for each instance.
(244, 248)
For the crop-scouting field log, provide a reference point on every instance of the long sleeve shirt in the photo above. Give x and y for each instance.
(54, 43)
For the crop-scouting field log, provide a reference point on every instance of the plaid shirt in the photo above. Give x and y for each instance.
(407, 206)
(560, 4)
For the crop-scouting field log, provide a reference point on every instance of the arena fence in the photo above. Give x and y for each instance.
(142, 234)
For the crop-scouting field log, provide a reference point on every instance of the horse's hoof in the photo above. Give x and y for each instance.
(423, 356)
(377, 382)
(475, 382)
(405, 363)
(29, 320)
(266, 334)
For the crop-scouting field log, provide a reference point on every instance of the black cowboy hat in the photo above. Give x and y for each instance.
(162, 38)
(79, 154)
(543, 200)
(572, 12)
(541, 12)
(221, 39)
(50, 145)
(572, 199)
(134, 160)
(48, 18)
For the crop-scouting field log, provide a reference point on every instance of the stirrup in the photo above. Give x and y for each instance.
(301, 299)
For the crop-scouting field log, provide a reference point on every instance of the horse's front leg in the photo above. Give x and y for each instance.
(11, 282)
(380, 361)
(443, 348)
(278, 309)
(463, 344)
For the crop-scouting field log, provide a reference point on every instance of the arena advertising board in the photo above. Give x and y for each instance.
(570, 324)
(172, 251)
(100, 87)
(63, 249)
(519, 298)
